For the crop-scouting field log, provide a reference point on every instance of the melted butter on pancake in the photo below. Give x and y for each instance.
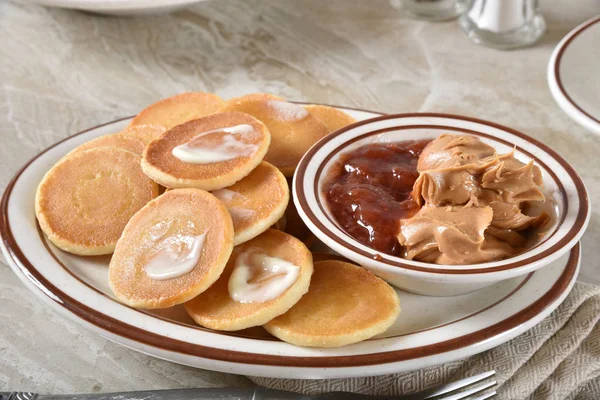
(293, 130)
(257, 277)
(210, 147)
(210, 157)
(237, 213)
(228, 195)
(177, 255)
(216, 308)
(256, 202)
(287, 111)
(160, 229)
(171, 250)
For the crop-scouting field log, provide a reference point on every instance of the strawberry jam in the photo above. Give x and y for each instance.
(369, 192)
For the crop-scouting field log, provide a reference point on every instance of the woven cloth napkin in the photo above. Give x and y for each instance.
(559, 358)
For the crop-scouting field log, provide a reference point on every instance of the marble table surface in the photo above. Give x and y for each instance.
(63, 71)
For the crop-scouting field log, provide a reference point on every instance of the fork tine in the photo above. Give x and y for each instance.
(452, 386)
(471, 391)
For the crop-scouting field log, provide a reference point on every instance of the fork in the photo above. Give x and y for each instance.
(478, 387)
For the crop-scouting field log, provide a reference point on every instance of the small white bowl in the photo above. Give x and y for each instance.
(560, 179)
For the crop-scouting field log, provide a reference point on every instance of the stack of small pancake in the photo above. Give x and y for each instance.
(104, 197)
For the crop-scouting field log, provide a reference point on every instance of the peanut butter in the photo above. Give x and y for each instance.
(474, 203)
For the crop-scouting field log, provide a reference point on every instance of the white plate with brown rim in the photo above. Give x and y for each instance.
(430, 330)
(574, 75)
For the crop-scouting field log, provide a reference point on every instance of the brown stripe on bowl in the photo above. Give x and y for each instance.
(580, 219)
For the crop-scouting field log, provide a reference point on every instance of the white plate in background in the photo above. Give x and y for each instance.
(120, 7)
(574, 74)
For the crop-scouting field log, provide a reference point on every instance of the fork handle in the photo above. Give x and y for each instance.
(258, 393)
(18, 396)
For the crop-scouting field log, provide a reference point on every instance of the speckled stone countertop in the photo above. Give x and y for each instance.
(63, 71)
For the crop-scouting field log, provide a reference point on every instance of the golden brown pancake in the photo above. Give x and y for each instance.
(160, 163)
(333, 118)
(178, 109)
(345, 304)
(293, 129)
(256, 202)
(145, 132)
(182, 228)
(119, 140)
(84, 202)
(216, 309)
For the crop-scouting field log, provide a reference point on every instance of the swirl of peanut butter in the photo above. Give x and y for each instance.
(474, 201)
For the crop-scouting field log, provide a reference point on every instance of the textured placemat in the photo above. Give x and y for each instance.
(559, 358)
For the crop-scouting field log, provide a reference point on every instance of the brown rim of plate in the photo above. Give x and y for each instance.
(241, 333)
(341, 148)
(395, 262)
(136, 334)
(557, 68)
